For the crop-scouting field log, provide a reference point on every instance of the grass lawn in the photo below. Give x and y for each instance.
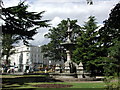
(10, 82)
(75, 85)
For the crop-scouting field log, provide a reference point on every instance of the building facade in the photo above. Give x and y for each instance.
(30, 57)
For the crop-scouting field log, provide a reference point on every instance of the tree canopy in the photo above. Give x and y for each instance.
(57, 35)
(87, 45)
(110, 38)
(19, 24)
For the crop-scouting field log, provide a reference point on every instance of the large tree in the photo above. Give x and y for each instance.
(87, 46)
(110, 39)
(19, 24)
(57, 35)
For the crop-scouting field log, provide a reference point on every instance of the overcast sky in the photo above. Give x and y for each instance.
(57, 10)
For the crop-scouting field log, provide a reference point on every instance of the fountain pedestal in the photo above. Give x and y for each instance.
(68, 62)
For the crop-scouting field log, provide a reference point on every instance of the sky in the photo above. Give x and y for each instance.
(57, 10)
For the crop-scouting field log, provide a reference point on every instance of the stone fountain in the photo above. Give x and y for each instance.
(68, 45)
(71, 69)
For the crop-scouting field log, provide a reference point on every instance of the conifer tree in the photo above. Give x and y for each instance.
(19, 24)
(110, 39)
(87, 50)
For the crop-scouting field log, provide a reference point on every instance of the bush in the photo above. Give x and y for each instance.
(112, 83)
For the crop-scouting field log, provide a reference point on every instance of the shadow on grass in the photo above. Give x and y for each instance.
(21, 81)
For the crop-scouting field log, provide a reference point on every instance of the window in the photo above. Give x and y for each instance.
(27, 60)
(27, 48)
(27, 54)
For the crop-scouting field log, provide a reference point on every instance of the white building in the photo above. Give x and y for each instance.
(30, 57)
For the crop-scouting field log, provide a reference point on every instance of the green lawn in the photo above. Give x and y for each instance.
(26, 82)
(75, 85)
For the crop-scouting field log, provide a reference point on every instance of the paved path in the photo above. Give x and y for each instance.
(16, 73)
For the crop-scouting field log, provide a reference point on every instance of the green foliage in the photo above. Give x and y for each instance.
(111, 83)
(110, 38)
(7, 42)
(112, 67)
(57, 35)
(87, 45)
(19, 24)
